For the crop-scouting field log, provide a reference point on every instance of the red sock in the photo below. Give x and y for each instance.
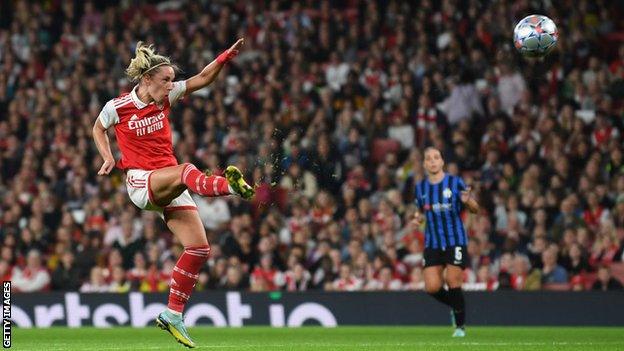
(202, 184)
(185, 274)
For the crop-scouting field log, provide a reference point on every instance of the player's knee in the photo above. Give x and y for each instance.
(432, 288)
(454, 283)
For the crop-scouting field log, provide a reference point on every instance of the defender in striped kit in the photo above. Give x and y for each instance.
(440, 198)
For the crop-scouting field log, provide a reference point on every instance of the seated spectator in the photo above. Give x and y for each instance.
(119, 283)
(551, 271)
(129, 243)
(204, 282)
(88, 251)
(33, 277)
(234, 279)
(297, 279)
(384, 281)
(265, 277)
(520, 272)
(213, 212)
(416, 280)
(218, 271)
(414, 255)
(66, 276)
(138, 272)
(299, 180)
(96, 282)
(153, 282)
(324, 274)
(605, 281)
(606, 246)
(485, 281)
(575, 261)
(346, 281)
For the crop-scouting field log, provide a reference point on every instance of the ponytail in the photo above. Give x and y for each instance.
(145, 61)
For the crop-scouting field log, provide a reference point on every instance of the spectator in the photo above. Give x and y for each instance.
(265, 277)
(33, 277)
(346, 281)
(511, 86)
(67, 275)
(128, 244)
(119, 282)
(297, 279)
(214, 212)
(576, 262)
(96, 282)
(551, 271)
(463, 101)
(606, 281)
(416, 280)
(234, 280)
(385, 281)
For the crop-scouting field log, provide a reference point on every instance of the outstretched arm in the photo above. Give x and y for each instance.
(103, 146)
(210, 72)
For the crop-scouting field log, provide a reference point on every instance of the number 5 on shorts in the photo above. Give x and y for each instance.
(458, 253)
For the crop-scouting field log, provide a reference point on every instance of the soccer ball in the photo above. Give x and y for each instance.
(535, 36)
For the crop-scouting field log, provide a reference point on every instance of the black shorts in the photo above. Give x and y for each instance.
(453, 255)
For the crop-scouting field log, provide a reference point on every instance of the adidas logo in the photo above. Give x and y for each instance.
(134, 117)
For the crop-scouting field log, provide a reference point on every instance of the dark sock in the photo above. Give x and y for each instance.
(442, 295)
(456, 301)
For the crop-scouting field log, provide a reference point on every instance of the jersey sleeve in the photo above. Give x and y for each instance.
(460, 184)
(108, 116)
(418, 196)
(179, 88)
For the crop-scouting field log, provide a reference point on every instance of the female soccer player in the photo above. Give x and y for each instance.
(441, 197)
(154, 179)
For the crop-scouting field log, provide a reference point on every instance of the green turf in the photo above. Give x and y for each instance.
(316, 338)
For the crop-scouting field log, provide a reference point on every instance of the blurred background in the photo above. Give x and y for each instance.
(327, 108)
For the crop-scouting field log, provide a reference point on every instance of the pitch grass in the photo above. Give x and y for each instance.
(316, 338)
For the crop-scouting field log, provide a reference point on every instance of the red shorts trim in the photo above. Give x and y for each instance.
(179, 208)
(150, 195)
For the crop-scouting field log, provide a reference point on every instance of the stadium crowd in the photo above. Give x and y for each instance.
(327, 109)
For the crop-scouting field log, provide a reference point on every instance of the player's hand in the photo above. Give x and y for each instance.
(418, 218)
(107, 167)
(231, 53)
(236, 47)
(466, 194)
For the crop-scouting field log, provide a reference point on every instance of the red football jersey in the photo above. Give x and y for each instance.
(143, 131)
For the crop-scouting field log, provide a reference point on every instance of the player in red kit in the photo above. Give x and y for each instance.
(154, 179)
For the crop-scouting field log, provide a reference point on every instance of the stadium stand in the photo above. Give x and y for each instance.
(327, 109)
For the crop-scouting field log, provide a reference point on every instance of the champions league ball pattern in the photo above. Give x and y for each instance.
(535, 36)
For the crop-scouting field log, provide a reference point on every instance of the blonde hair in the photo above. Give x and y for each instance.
(145, 61)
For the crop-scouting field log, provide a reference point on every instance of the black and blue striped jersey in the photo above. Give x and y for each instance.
(441, 205)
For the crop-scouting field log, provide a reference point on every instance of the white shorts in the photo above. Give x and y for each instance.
(138, 185)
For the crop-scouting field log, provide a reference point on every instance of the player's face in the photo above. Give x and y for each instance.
(160, 84)
(433, 161)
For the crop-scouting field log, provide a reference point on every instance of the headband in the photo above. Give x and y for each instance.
(157, 65)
